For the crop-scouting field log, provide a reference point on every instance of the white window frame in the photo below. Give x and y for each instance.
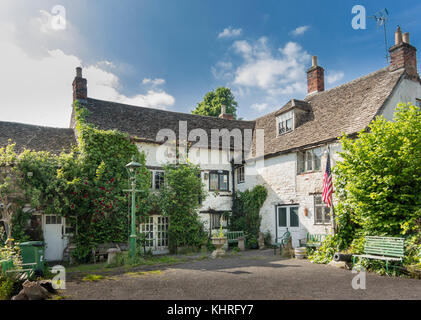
(288, 216)
(305, 154)
(153, 179)
(282, 120)
(241, 174)
(324, 209)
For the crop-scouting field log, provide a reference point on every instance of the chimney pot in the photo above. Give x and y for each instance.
(398, 36)
(314, 61)
(79, 72)
(224, 114)
(406, 37)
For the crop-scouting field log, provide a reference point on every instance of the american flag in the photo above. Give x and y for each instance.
(327, 184)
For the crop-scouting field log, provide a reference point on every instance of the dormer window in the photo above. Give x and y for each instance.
(286, 122)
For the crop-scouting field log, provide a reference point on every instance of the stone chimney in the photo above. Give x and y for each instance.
(315, 78)
(80, 88)
(224, 114)
(404, 55)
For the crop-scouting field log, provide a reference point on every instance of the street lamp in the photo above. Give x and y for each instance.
(131, 167)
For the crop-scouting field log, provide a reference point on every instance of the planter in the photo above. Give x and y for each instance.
(218, 243)
(300, 253)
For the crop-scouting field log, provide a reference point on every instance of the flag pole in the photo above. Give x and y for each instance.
(333, 206)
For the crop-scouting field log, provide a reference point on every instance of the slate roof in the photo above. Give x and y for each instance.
(347, 109)
(36, 138)
(145, 123)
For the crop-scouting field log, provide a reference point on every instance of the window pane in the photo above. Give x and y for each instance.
(327, 215)
(282, 217)
(317, 158)
(281, 127)
(58, 221)
(213, 181)
(159, 180)
(293, 217)
(288, 125)
(47, 220)
(318, 200)
(223, 181)
(300, 162)
(319, 214)
(309, 157)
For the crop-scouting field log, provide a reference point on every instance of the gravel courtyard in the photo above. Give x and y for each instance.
(250, 275)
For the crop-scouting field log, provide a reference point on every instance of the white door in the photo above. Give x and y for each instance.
(155, 229)
(287, 218)
(53, 237)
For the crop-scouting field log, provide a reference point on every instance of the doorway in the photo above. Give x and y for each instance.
(55, 241)
(287, 218)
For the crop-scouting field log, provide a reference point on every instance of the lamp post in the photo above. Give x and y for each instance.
(131, 167)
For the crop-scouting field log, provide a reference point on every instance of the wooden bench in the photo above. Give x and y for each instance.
(383, 248)
(100, 250)
(233, 236)
(281, 242)
(312, 240)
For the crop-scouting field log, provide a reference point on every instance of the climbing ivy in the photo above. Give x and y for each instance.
(246, 212)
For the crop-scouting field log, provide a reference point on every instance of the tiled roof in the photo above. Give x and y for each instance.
(145, 123)
(347, 109)
(36, 138)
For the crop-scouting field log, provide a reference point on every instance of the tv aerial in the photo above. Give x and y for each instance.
(381, 18)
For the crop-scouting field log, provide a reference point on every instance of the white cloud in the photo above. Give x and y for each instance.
(259, 106)
(230, 33)
(300, 30)
(37, 80)
(153, 82)
(334, 76)
(282, 71)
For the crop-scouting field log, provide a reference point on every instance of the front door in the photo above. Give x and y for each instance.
(287, 218)
(53, 237)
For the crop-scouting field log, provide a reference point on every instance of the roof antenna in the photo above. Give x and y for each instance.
(381, 18)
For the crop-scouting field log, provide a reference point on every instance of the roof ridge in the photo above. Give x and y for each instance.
(33, 125)
(168, 111)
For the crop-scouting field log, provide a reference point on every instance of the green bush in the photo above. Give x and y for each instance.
(9, 286)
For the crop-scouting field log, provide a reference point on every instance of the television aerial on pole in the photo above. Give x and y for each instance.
(381, 18)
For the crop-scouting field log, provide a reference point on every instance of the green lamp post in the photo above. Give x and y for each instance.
(131, 167)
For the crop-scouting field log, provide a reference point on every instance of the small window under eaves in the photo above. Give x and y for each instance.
(285, 122)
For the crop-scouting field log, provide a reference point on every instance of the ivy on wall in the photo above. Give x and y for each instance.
(246, 212)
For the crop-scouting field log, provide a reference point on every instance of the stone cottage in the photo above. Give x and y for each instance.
(285, 150)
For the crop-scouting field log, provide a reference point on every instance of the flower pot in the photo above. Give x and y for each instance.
(218, 243)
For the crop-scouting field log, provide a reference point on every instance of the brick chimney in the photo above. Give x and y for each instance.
(404, 55)
(80, 88)
(315, 78)
(224, 114)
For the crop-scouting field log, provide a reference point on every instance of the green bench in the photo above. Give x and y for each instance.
(312, 240)
(281, 242)
(233, 236)
(383, 248)
(6, 267)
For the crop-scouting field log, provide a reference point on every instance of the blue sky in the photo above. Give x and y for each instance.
(168, 54)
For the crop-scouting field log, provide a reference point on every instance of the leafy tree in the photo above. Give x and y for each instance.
(179, 200)
(378, 182)
(213, 100)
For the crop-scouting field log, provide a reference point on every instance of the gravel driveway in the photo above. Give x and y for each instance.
(250, 275)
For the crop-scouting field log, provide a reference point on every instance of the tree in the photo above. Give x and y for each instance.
(213, 100)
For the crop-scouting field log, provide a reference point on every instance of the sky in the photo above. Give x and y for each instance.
(168, 54)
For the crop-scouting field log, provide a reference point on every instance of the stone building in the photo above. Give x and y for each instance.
(285, 150)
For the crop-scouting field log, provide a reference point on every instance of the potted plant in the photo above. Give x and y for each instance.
(218, 241)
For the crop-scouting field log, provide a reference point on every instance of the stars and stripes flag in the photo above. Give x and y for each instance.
(327, 184)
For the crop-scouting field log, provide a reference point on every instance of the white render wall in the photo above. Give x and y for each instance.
(219, 202)
(407, 91)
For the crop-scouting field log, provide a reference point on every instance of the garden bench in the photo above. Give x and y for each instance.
(312, 240)
(281, 242)
(24, 273)
(101, 250)
(233, 236)
(383, 248)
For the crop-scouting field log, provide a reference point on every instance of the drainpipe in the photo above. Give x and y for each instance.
(233, 183)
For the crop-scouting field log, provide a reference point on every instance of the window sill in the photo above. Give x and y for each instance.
(323, 224)
(309, 172)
